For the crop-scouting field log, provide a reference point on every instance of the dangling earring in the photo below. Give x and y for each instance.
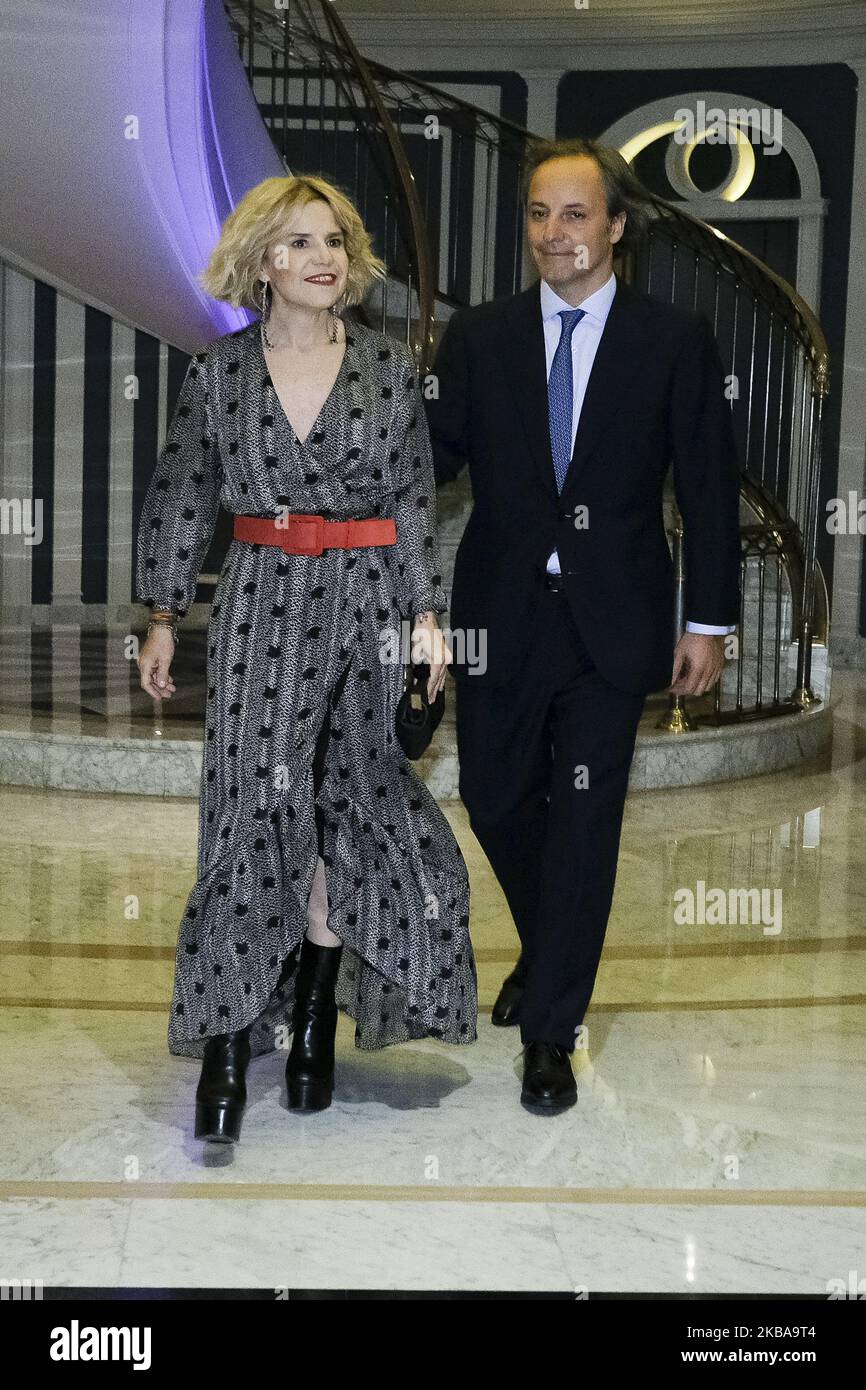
(267, 300)
(333, 332)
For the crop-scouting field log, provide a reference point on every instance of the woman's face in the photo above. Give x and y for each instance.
(309, 267)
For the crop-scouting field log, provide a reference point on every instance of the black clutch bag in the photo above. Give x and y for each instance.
(416, 719)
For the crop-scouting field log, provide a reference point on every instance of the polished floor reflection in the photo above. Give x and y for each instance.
(64, 680)
(718, 1142)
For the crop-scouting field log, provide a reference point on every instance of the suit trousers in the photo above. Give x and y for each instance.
(544, 764)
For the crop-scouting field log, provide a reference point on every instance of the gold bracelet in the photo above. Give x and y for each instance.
(164, 622)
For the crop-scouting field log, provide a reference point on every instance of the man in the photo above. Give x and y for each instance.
(568, 401)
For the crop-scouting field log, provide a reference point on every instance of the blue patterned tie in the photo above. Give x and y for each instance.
(560, 396)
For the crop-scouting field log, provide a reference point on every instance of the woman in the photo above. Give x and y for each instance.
(328, 876)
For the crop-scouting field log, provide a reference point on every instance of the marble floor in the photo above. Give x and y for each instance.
(718, 1143)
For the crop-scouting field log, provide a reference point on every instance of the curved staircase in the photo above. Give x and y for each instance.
(259, 90)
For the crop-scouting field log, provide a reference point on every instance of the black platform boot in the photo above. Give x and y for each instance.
(310, 1068)
(222, 1092)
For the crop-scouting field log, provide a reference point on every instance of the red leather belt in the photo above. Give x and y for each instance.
(298, 533)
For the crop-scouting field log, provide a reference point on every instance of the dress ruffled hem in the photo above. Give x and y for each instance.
(430, 989)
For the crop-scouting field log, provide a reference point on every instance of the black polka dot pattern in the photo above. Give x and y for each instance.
(281, 631)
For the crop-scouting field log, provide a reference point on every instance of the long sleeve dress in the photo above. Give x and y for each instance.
(282, 630)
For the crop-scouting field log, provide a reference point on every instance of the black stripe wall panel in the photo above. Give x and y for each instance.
(43, 431)
(96, 450)
(145, 431)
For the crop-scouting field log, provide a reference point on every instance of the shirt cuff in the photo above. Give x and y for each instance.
(707, 628)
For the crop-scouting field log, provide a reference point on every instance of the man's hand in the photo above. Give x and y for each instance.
(428, 645)
(699, 660)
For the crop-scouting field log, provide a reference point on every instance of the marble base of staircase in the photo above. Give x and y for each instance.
(150, 765)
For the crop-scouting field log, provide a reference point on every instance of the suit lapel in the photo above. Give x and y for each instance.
(617, 358)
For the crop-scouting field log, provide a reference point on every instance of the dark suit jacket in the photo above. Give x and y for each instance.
(655, 394)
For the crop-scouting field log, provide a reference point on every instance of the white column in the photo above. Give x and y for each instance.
(542, 85)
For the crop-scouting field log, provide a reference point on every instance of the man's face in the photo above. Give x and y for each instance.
(570, 234)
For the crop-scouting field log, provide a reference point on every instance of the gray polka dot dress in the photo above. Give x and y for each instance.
(284, 629)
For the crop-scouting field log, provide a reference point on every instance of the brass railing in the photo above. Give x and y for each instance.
(437, 181)
(776, 355)
(325, 113)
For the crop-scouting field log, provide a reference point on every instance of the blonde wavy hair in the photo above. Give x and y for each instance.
(259, 222)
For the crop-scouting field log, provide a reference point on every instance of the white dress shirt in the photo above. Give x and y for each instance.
(584, 345)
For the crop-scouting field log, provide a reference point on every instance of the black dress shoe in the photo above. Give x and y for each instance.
(548, 1081)
(310, 1068)
(221, 1094)
(506, 1010)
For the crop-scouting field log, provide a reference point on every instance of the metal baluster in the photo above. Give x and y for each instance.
(336, 130)
(428, 206)
(454, 217)
(251, 11)
(676, 719)
(751, 376)
(742, 629)
(777, 663)
(389, 262)
(518, 230)
(782, 378)
(770, 321)
(356, 176)
(485, 288)
(734, 332)
(803, 693)
(366, 183)
(320, 143)
(272, 104)
(305, 106)
(793, 482)
(802, 453)
(286, 75)
(759, 679)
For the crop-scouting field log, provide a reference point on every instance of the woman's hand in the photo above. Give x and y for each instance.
(429, 645)
(154, 664)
